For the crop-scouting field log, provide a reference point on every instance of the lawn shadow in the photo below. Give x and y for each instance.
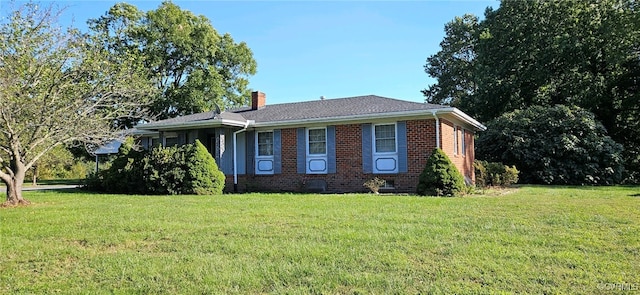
(77, 190)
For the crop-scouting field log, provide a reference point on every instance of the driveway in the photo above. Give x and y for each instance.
(3, 189)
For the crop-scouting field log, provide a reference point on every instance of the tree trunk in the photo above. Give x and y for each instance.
(14, 190)
(35, 175)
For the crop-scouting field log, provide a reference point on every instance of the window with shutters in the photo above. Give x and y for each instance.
(264, 152)
(316, 150)
(385, 147)
(265, 143)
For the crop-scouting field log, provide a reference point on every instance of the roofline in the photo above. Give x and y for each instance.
(225, 122)
(138, 131)
(456, 112)
(187, 125)
(466, 118)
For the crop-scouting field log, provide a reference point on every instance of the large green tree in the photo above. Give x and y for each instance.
(526, 53)
(453, 66)
(56, 88)
(195, 68)
(553, 145)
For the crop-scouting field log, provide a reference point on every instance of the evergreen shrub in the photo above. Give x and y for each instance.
(440, 177)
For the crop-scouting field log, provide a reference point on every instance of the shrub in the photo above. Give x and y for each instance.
(440, 177)
(494, 174)
(164, 171)
(553, 145)
(60, 163)
(188, 169)
(203, 176)
(124, 174)
(374, 184)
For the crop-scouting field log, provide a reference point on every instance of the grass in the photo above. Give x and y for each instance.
(578, 240)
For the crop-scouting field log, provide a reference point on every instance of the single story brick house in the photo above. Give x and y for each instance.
(328, 145)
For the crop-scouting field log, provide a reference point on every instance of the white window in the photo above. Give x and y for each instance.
(385, 145)
(264, 152)
(385, 136)
(317, 150)
(455, 140)
(317, 141)
(265, 143)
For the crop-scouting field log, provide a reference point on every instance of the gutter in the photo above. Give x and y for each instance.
(325, 120)
(437, 129)
(183, 125)
(271, 124)
(377, 116)
(458, 113)
(235, 154)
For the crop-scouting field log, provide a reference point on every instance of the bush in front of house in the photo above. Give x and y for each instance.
(440, 177)
(124, 174)
(188, 169)
(374, 184)
(494, 174)
(164, 171)
(203, 176)
(553, 145)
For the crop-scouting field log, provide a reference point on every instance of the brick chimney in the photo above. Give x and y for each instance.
(258, 100)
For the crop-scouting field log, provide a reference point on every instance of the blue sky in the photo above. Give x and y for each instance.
(308, 49)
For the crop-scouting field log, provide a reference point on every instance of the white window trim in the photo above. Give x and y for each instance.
(258, 143)
(384, 155)
(316, 157)
(259, 158)
(455, 140)
(373, 138)
(325, 141)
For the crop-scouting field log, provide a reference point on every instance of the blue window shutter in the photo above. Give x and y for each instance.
(302, 151)
(367, 153)
(402, 146)
(251, 150)
(331, 149)
(277, 154)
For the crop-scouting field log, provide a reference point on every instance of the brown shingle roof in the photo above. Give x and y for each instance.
(332, 108)
(317, 109)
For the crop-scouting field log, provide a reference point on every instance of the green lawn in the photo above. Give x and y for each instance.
(530, 240)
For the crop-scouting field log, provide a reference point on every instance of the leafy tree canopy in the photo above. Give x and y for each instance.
(57, 87)
(553, 145)
(194, 67)
(526, 53)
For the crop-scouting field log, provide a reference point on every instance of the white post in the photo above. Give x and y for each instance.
(235, 157)
(437, 129)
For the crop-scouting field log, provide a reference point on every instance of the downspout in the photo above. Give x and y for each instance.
(235, 156)
(437, 129)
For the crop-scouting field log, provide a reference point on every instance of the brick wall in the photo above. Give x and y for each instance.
(462, 159)
(350, 177)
